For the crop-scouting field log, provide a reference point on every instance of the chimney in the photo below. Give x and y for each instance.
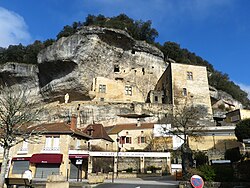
(138, 122)
(73, 122)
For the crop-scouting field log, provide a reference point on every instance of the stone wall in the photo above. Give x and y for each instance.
(184, 184)
(103, 112)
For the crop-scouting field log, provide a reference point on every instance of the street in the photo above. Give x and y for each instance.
(124, 185)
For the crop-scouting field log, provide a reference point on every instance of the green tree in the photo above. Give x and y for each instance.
(242, 130)
(31, 52)
(233, 154)
(14, 53)
(48, 42)
(201, 158)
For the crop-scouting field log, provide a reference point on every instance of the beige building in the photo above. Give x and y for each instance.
(182, 83)
(237, 115)
(50, 154)
(116, 90)
(100, 139)
(214, 141)
(134, 136)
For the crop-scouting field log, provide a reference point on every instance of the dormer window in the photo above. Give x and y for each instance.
(90, 131)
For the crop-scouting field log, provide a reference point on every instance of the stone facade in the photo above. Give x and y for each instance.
(237, 115)
(185, 84)
(116, 91)
(50, 144)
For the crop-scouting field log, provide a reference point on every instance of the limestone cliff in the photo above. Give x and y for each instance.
(71, 64)
(24, 75)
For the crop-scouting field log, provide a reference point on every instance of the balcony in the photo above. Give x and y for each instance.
(22, 151)
(50, 150)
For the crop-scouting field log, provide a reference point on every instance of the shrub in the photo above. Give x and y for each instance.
(207, 172)
(233, 154)
(224, 173)
(201, 158)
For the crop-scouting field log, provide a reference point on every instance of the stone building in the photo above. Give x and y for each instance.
(134, 136)
(237, 115)
(100, 139)
(50, 155)
(182, 84)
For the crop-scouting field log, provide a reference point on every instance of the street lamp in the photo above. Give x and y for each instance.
(117, 154)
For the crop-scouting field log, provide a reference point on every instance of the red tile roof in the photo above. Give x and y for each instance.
(98, 132)
(133, 126)
(58, 128)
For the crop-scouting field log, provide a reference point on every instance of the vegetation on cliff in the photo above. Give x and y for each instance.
(139, 30)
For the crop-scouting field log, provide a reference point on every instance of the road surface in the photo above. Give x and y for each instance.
(124, 185)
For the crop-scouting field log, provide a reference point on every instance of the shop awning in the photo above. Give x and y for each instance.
(78, 156)
(46, 158)
(21, 158)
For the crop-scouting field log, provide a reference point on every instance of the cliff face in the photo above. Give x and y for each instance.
(23, 75)
(71, 64)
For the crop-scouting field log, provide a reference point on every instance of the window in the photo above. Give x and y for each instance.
(52, 143)
(116, 68)
(128, 90)
(20, 166)
(156, 99)
(102, 88)
(24, 146)
(190, 75)
(143, 71)
(78, 144)
(184, 92)
(128, 140)
(122, 140)
(141, 140)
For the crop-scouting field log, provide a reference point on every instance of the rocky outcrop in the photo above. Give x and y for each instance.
(222, 102)
(71, 64)
(22, 75)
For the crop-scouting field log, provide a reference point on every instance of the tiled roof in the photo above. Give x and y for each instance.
(119, 127)
(58, 128)
(98, 132)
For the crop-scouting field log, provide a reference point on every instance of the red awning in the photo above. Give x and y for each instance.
(78, 156)
(46, 158)
(21, 158)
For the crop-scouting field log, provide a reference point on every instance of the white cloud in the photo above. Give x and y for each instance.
(13, 28)
(245, 88)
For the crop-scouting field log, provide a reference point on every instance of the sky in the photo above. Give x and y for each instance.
(216, 30)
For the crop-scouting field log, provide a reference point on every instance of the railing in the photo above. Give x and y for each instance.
(22, 151)
(51, 149)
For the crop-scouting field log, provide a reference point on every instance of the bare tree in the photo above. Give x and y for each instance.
(157, 143)
(187, 120)
(17, 113)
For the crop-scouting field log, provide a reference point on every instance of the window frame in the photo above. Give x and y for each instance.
(52, 143)
(184, 92)
(190, 75)
(128, 90)
(128, 140)
(140, 138)
(102, 88)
